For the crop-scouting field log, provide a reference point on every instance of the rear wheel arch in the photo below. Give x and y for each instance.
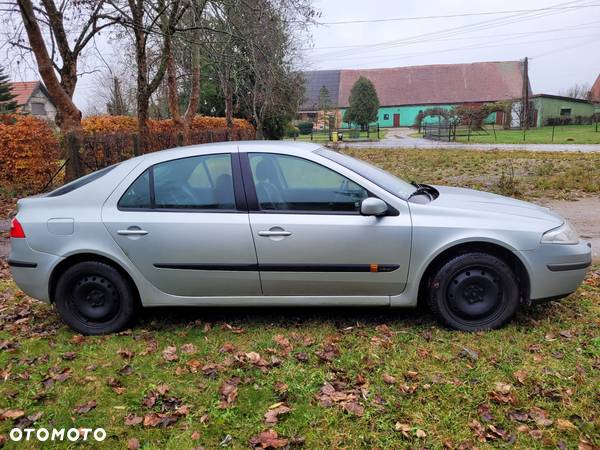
(505, 254)
(72, 260)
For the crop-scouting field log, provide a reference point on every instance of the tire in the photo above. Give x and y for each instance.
(94, 298)
(474, 291)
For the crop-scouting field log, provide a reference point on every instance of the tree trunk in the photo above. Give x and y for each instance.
(229, 111)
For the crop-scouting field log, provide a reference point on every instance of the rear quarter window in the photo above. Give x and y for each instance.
(80, 182)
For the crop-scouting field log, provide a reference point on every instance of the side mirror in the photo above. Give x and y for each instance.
(372, 206)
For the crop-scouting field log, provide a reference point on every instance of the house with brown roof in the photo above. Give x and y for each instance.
(405, 91)
(33, 99)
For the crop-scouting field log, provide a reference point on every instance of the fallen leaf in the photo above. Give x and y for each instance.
(389, 379)
(170, 353)
(268, 439)
(133, 444)
(188, 348)
(11, 414)
(125, 354)
(564, 424)
(420, 434)
(229, 392)
(132, 420)
(521, 376)
(272, 415)
(85, 408)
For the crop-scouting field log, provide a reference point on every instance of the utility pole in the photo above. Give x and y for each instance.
(525, 96)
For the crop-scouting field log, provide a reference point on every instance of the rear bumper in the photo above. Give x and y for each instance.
(555, 270)
(31, 269)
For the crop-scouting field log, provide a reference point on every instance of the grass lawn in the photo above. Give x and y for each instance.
(323, 378)
(528, 175)
(570, 134)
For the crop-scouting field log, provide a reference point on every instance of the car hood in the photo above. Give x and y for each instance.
(488, 203)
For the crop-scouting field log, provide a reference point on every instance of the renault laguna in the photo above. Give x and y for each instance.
(284, 224)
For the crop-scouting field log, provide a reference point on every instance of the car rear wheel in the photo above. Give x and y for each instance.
(474, 291)
(94, 298)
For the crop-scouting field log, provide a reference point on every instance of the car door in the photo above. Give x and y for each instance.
(184, 224)
(310, 236)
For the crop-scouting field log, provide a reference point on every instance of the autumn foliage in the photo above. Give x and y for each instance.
(111, 139)
(128, 124)
(29, 152)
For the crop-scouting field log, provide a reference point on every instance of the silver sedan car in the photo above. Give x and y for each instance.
(284, 224)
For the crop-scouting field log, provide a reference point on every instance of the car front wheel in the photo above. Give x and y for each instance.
(94, 298)
(474, 291)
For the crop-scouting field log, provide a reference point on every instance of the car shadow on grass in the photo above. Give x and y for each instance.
(339, 317)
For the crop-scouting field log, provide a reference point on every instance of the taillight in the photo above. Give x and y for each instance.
(16, 230)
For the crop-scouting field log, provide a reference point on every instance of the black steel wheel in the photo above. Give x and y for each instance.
(94, 298)
(474, 291)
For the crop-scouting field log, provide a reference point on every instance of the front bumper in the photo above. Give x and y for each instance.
(556, 270)
(31, 269)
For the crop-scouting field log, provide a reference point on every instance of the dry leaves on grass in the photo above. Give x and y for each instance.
(85, 408)
(344, 395)
(503, 393)
(170, 353)
(270, 439)
(276, 410)
(228, 392)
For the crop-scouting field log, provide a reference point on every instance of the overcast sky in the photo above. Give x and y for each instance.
(562, 44)
(560, 38)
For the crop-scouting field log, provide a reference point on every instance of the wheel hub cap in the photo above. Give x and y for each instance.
(95, 298)
(474, 292)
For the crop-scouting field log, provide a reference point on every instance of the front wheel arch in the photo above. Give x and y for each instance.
(503, 253)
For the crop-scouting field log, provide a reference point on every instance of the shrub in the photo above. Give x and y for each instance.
(29, 152)
(305, 127)
(128, 124)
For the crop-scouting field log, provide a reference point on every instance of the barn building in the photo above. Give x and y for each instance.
(404, 91)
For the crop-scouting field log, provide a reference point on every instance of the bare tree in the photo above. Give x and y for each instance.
(150, 23)
(582, 91)
(57, 35)
(191, 47)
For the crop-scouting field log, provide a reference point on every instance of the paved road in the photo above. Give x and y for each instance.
(400, 138)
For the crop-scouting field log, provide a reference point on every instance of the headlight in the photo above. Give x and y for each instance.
(565, 234)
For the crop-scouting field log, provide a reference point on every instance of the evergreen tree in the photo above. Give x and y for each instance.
(364, 103)
(8, 105)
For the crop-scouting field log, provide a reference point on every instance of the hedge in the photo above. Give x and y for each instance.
(29, 152)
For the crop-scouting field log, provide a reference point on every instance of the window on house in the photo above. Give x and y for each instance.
(38, 109)
(386, 117)
(565, 112)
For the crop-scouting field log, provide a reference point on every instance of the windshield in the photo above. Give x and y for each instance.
(374, 174)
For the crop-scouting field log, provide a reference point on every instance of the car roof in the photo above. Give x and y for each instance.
(200, 149)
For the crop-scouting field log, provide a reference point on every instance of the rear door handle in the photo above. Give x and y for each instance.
(274, 233)
(133, 232)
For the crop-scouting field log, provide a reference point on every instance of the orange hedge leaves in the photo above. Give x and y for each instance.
(128, 124)
(29, 152)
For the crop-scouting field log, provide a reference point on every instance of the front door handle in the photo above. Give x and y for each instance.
(132, 232)
(270, 233)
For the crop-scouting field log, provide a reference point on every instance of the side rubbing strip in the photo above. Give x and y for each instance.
(225, 267)
(568, 266)
(284, 267)
(28, 265)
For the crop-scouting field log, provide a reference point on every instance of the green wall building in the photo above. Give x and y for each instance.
(555, 106)
(405, 91)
